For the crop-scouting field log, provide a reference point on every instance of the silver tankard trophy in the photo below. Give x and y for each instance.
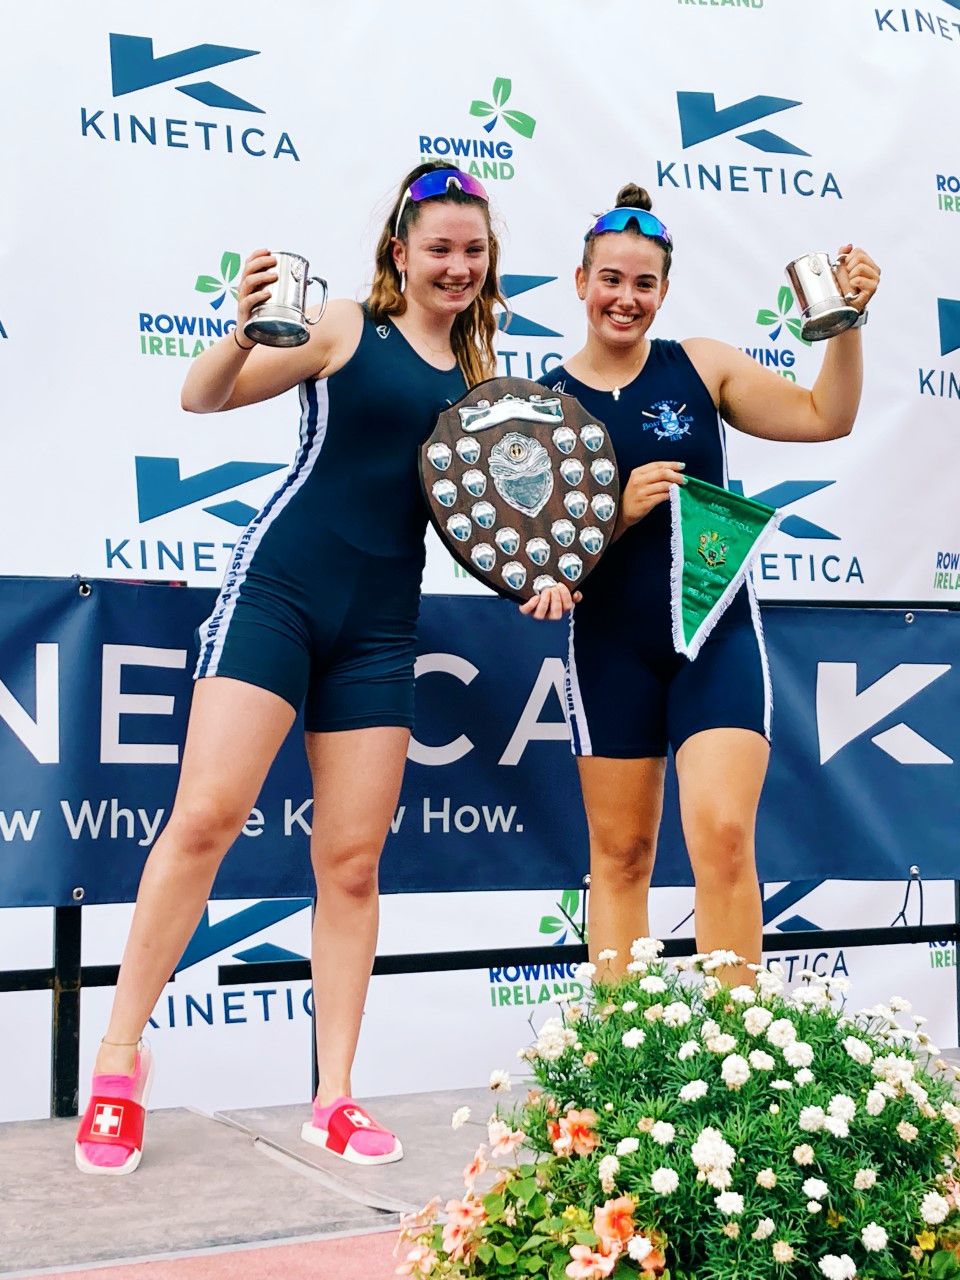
(824, 308)
(521, 484)
(280, 321)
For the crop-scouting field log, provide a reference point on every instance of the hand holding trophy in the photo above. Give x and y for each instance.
(825, 293)
(272, 299)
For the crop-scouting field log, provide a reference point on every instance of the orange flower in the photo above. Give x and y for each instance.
(613, 1222)
(464, 1217)
(654, 1262)
(574, 1134)
(474, 1169)
(592, 1264)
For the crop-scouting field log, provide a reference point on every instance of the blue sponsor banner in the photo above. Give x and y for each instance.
(95, 691)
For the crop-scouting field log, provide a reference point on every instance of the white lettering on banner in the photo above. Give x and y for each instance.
(41, 737)
(529, 727)
(17, 826)
(114, 704)
(844, 714)
(88, 822)
(451, 665)
(254, 824)
(467, 818)
(294, 817)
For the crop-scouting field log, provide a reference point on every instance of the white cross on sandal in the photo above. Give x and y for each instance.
(107, 1120)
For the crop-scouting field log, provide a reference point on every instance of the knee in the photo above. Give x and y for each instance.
(203, 829)
(350, 868)
(624, 860)
(722, 852)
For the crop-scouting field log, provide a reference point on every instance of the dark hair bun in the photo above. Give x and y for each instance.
(630, 196)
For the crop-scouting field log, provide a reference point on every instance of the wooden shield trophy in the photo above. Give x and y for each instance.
(522, 486)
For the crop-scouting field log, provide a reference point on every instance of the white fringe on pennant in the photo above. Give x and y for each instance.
(692, 647)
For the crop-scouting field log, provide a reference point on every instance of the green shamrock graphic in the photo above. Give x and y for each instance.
(780, 318)
(229, 269)
(517, 120)
(568, 905)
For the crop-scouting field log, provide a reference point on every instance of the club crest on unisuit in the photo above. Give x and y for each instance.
(667, 421)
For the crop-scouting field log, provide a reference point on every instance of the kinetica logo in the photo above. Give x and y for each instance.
(919, 22)
(134, 67)
(944, 383)
(801, 566)
(526, 361)
(161, 490)
(166, 333)
(701, 120)
(484, 158)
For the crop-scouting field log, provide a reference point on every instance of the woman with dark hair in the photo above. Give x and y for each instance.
(630, 695)
(318, 609)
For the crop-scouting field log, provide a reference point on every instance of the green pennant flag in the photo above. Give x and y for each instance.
(715, 535)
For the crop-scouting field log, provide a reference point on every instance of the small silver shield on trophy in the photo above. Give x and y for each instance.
(516, 479)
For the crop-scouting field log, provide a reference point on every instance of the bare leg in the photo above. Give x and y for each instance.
(721, 772)
(235, 731)
(623, 800)
(356, 780)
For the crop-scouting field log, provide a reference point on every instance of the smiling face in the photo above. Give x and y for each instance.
(445, 256)
(624, 287)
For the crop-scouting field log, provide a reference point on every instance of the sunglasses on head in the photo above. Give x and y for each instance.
(620, 218)
(437, 183)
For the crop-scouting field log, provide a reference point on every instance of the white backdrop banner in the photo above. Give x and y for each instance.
(171, 140)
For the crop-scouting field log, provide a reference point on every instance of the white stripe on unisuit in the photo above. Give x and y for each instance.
(765, 665)
(576, 712)
(216, 627)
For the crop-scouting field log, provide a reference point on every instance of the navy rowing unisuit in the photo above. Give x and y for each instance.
(320, 600)
(629, 693)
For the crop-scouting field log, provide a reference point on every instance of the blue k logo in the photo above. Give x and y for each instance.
(701, 120)
(161, 489)
(517, 325)
(948, 310)
(134, 67)
(784, 495)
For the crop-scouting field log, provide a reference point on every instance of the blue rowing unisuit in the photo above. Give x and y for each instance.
(629, 692)
(321, 595)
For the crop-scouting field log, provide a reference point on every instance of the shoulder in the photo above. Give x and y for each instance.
(336, 334)
(712, 360)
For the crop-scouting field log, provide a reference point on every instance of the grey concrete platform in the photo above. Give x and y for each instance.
(209, 1181)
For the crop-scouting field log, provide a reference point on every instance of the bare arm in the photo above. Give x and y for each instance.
(226, 377)
(761, 403)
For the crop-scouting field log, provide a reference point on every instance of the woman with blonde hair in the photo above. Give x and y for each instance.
(318, 610)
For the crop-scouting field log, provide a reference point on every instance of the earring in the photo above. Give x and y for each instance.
(403, 281)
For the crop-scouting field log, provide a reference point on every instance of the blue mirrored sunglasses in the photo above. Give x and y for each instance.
(437, 183)
(620, 218)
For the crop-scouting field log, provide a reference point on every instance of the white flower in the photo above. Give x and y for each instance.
(811, 1119)
(761, 1061)
(720, 959)
(743, 995)
(663, 1133)
(654, 1013)
(607, 1170)
(646, 949)
(711, 1152)
(907, 1131)
(782, 1251)
(721, 1043)
(894, 1069)
(814, 1206)
(917, 1092)
(653, 985)
(637, 966)
(676, 1014)
(874, 1238)
(764, 1229)
(858, 1050)
(815, 1188)
(664, 1181)
(730, 1202)
(803, 1154)
(834, 1268)
(629, 1006)
(735, 1071)
(837, 1127)
(781, 1084)
(500, 1081)
(803, 1076)
(638, 1247)
(864, 1179)
(840, 985)
(709, 1029)
(899, 1005)
(782, 1032)
(584, 972)
(554, 1039)
(607, 953)
(692, 1091)
(756, 1020)
(689, 1049)
(769, 983)
(875, 1102)
(950, 1113)
(460, 1117)
(627, 1146)
(633, 1038)
(798, 1054)
(842, 1106)
(774, 1108)
(767, 1178)
(719, 1179)
(933, 1208)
